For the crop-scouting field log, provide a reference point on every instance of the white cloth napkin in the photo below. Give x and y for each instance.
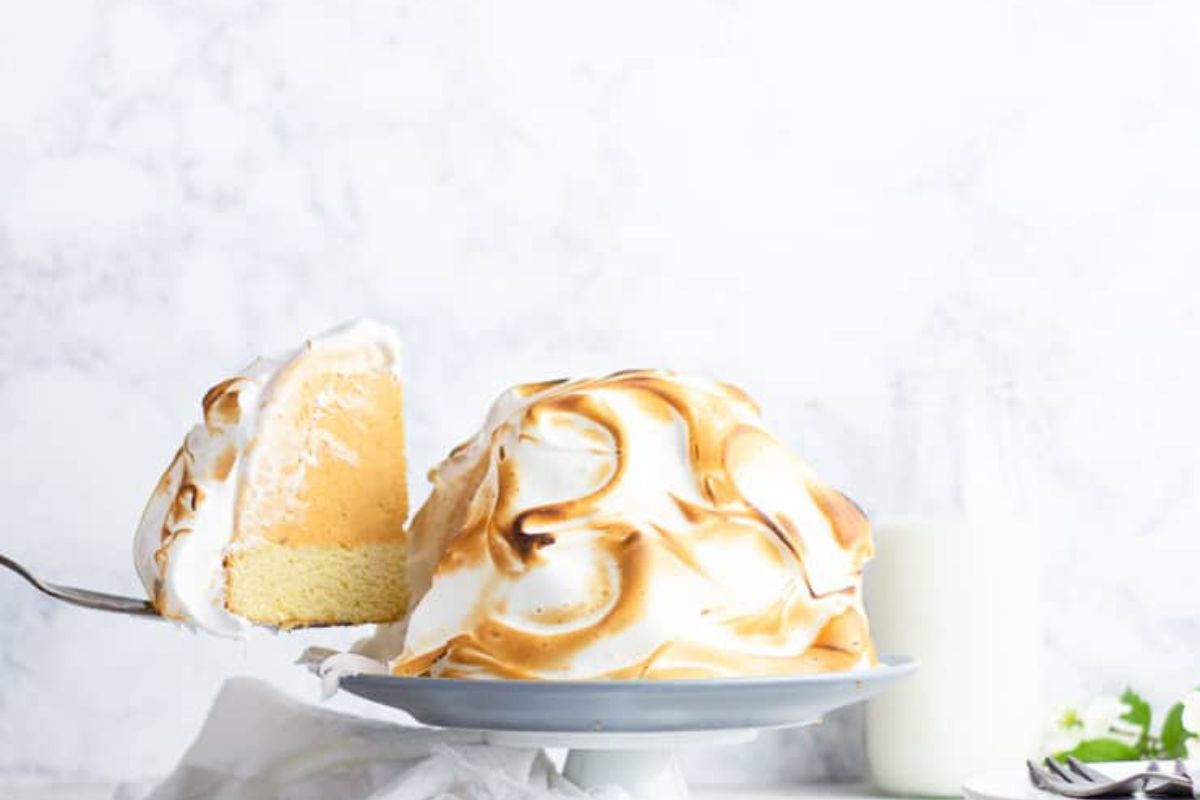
(260, 744)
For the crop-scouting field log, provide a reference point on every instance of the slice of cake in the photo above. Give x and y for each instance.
(286, 505)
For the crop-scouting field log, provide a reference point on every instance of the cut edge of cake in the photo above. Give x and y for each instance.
(290, 587)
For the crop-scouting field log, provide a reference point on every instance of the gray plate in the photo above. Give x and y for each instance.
(628, 706)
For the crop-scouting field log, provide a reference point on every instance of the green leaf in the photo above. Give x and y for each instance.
(1173, 736)
(1139, 710)
(1101, 750)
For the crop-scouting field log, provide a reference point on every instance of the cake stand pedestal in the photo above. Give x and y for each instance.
(641, 764)
(623, 733)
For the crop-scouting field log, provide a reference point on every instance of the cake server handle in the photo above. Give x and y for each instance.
(84, 597)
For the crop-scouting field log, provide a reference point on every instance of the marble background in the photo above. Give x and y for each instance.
(805, 199)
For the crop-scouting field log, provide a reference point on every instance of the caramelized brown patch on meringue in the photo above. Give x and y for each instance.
(506, 650)
(530, 389)
(846, 636)
(220, 403)
(678, 548)
(224, 462)
(706, 428)
(775, 623)
(687, 660)
(848, 521)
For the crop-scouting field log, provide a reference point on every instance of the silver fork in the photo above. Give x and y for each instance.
(1076, 779)
(1155, 788)
(84, 597)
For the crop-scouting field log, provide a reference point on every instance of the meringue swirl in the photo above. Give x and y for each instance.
(640, 525)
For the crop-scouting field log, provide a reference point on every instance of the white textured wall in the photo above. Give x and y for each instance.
(800, 198)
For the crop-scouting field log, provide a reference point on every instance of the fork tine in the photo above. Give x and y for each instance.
(1056, 769)
(1159, 783)
(1037, 776)
(1084, 771)
(1181, 768)
(1048, 779)
(1147, 786)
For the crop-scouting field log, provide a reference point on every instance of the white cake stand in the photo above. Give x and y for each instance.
(623, 733)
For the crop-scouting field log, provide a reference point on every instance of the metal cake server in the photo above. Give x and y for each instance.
(84, 597)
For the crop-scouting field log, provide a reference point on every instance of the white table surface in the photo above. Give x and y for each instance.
(806, 792)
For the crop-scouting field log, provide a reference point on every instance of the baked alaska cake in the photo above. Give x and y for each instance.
(642, 525)
(285, 506)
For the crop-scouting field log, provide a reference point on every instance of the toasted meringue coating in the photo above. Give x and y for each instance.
(638, 525)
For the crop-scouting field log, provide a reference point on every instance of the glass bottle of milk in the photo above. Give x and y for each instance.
(954, 583)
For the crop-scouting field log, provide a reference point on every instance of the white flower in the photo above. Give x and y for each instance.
(1191, 713)
(1064, 731)
(1063, 741)
(1193, 748)
(1103, 715)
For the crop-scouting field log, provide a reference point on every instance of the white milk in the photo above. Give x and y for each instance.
(962, 597)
